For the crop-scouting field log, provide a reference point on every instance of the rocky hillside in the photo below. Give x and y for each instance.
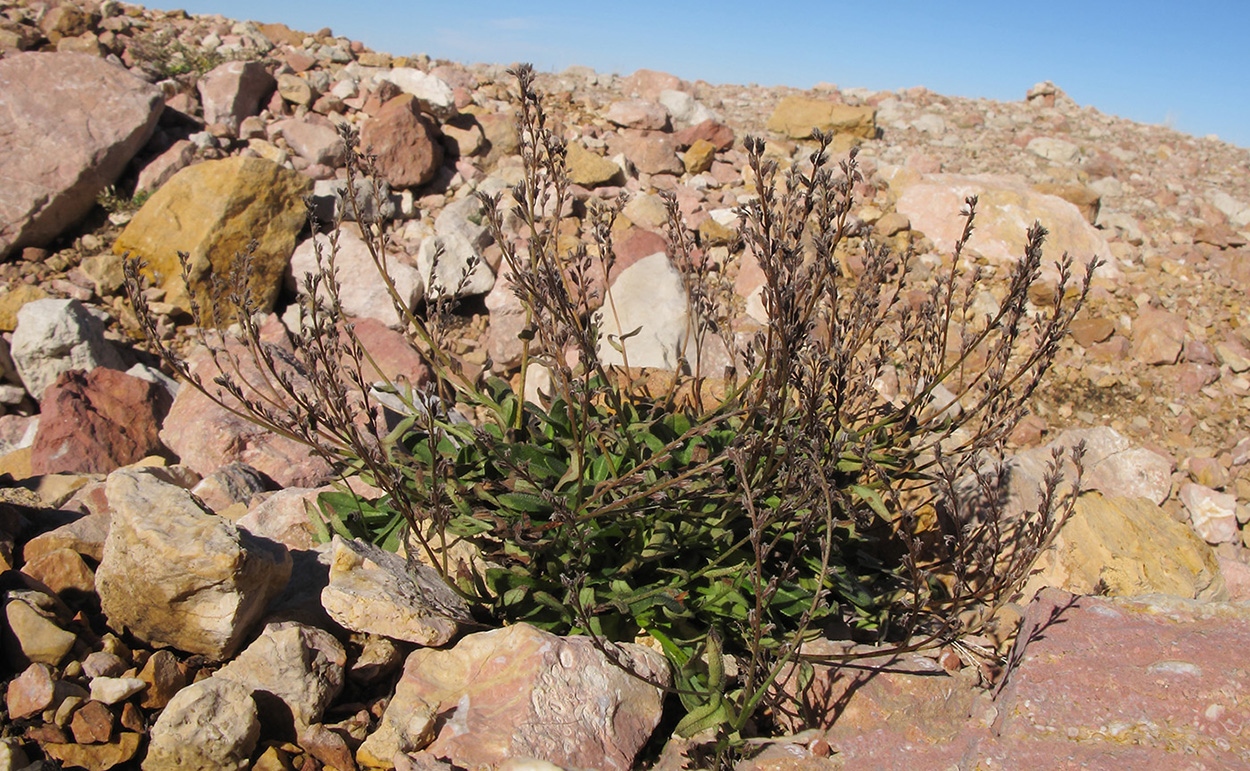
(166, 600)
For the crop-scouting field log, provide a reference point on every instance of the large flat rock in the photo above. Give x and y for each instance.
(69, 124)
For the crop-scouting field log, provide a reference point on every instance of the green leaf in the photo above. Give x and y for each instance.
(872, 498)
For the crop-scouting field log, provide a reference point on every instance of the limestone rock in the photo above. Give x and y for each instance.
(96, 757)
(361, 290)
(590, 169)
(638, 114)
(39, 639)
(430, 92)
(293, 672)
(685, 109)
(232, 484)
(232, 91)
(316, 140)
(70, 124)
(175, 574)
(651, 152)
(55, 336)
(796, 116)
(521, 692)
(376, 591)
(1126, 547)
(648, 296)
(210, 725)
(13, 301)
(213, 211)
(94, 422)
(1158, 337)
(206, 436)
(405, 143)
(1005, 211)
(1213, 514)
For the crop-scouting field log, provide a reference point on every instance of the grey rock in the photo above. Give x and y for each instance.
(55, 336)
(207, 726)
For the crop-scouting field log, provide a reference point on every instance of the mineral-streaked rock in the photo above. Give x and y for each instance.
(175, 574)
(375, 591)
(54, 336)
(209, 725)
(522, 692)
(1125, 547)
(213, 211)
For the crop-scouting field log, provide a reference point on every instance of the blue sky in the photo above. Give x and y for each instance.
(1183, 64)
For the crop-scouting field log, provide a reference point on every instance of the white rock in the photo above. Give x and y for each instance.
(434, 95)
(111, 690)
(1212, 514)
(930, 124)
(684, 109)
(1057, 150)
(377, 592)
(361, 289)
(650, 297)
(54, 336)
(300, 665)
(210, 725)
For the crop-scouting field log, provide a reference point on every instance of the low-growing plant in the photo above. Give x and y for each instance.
(836, 478)
(165, 56)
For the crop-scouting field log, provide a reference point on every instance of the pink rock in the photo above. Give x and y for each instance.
(638, 114)
(718, 134)
(1192, 378)
(647, 84)
(522, 692)
(650, 152)
(1158, 337)
(30, 692)
(164, 166)
(634, 244)
(1007, 208)
(392, 352)
(405, 142)
(206, 436)
(507, 320)
(315, 139)
(94, 422)
(61, 145)
(283, 517)
(1213, 514)
(233, 91)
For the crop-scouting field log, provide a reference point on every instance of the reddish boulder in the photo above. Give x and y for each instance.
(70, 124)
(405, 143)
(718, 134)
(94, 422)
(651, 152)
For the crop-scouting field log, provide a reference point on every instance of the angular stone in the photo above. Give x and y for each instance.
(797, 116)
(521, 692)
(39, 639)
(590, 169)
(405, 143)
(720, 135)
(164, 677)
(316, 140)
(213, 211)
(31, 692)
(648, 296)
(207, 436)
(85, 536)
(429, 91)
(92, 723)
(293, 672)
(233, 91)
(232, 484)
(96, 421)
(103, 664)
(698, 158)
(55, 336)
(362, 292)
(1158, 337)
(651, 152)
(70, 125)
(11, 302)
(64, 572)
(210, 725)
(1007, 208)
(638, 114)
(1054, 149)
(1127, 547)
(376, 591)
(110, 690)
(296, 90)
(685, 110)
(96, 757)
(174, 574)
(1212, 514)
(163, 167)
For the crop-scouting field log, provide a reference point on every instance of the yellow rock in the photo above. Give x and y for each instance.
(1125, 547)
(698, 158)
(796, 116)
(12, 301)
(589, 169)
(213, 211)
